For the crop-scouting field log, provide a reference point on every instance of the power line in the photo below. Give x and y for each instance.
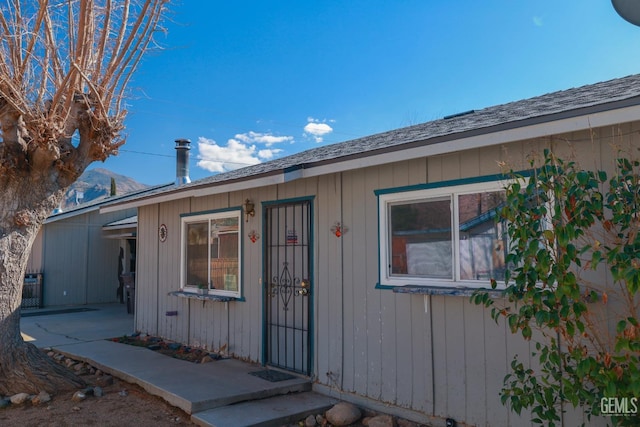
(190, 159)
(145, 153)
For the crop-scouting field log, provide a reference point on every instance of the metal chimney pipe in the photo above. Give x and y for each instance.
(182, 161)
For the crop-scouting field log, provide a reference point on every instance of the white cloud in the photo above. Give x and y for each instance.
(262, 138)
(317, 129)
(268, 154)
(239, 151)
(218, 158)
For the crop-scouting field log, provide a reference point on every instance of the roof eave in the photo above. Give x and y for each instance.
(496, 135)
(71, 214)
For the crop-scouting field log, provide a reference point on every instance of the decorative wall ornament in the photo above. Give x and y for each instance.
(162, 233)
(253, 236)
(338, 229)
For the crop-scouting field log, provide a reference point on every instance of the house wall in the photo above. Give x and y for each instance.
(432, 357)
(79, 265)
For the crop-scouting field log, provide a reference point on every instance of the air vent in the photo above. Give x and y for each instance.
(453, 116)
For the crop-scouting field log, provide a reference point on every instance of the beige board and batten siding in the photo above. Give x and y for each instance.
(439, 355)
(148, 262)
(435, 355)
(234, 326)
(172, 327)
(426, 353)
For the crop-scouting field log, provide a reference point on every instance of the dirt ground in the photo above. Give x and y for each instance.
(115, 408)
(122, 404)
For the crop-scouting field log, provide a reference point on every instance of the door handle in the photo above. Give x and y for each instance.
(305, 288)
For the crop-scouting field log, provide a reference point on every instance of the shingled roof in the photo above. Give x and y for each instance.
(594, 98)
(571, 100)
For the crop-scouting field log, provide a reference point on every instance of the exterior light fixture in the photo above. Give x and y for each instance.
(249, 209)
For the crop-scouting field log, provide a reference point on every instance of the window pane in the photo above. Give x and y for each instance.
(224, 253)
(482, 240)
(196, 256)
(421, 238)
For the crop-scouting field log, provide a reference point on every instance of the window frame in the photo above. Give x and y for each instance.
(191, 218)
(427, 192)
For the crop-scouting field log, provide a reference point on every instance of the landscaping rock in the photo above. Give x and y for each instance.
(382, 421)
(310, 421)
(42, 397)
(406, 423)
(104, 380)
(343, 414)
(98, 392)
(19, 398)
(78, 396)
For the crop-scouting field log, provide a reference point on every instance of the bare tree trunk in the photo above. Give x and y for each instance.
(64, 70)
(23, 367)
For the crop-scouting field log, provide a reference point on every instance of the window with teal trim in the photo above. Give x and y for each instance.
(445, 236)
(211, 248)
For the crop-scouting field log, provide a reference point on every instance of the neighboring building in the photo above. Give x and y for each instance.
(78, 252)
(352, 263)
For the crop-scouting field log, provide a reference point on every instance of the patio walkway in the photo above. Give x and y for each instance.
(220, 393)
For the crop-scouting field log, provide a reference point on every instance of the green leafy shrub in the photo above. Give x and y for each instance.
(572, 286)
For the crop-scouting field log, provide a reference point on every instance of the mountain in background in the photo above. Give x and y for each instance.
(96, 183)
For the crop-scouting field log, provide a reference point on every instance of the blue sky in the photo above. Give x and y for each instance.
(248, 81)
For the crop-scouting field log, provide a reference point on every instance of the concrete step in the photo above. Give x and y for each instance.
(269, 412)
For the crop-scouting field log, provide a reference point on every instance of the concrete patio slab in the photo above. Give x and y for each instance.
(192, 387)
(212, 392)
(49, 327)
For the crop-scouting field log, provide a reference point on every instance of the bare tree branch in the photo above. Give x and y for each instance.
(55, 50)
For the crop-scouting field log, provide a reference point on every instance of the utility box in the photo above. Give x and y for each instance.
(32, 291)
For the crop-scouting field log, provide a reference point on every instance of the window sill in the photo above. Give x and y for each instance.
(438, 290)
(203, 297)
